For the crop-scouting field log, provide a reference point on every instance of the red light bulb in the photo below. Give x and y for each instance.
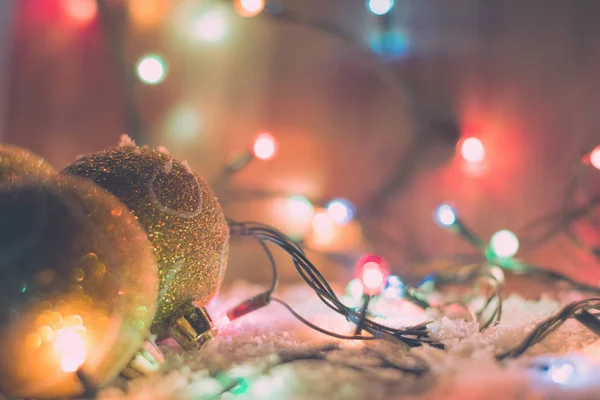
(372, 271)
(472, 150)
(595, 157)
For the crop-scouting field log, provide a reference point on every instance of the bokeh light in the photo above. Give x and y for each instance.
(249, 8)
(445, 215)
(380, 7)
(82, 11)
(70, 347)
(341, 211)
(300, 207)
(265, 146)
(354, 289)
(394, 288)
(323, 228)
(472, 150)
(151, 69)
(372, 271)
(183, 123)
(561, 373)
(210, 25)
(146, 13)
(595, 157)
(504, 243)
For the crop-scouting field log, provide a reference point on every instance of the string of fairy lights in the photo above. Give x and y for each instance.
(373, 277)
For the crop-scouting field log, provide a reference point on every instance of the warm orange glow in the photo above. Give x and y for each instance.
(146, 13)
(70, 347)
(249, 8)
(265, 146)
(595, 157)
(82, 11)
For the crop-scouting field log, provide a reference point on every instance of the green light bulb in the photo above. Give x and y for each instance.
(504, 244)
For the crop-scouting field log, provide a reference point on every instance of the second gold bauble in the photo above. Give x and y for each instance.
(18, 165)
(183, 220)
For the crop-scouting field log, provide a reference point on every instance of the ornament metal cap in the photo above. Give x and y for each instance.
(145, 361)
(193, 328)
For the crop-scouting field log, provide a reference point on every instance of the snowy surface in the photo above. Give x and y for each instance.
(465, 370)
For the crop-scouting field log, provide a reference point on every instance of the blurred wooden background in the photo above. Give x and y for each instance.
(521, 76)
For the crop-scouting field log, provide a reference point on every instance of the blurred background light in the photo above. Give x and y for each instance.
(341, 211)
(300, 207)
(146, 13)
(151, 69)
(249, 8)
(472, 150)
(265, 146)
(210, 25)
(183, 123)
(380, 7)
(82, 11)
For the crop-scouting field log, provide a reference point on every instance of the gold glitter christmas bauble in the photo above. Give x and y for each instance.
(182, 218)
(20, 165)
(78, 287)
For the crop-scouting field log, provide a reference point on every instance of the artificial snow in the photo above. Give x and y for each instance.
(465, 370)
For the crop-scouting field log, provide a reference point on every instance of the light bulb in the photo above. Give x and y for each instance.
(380, 7)
(472, 150)
(82, 11)
(445, 215)
(341, 211)
(151, 69)
(265, 146)
(561, 373)
(249, 8)
(504, 244)
(372, 271)
(595, 157)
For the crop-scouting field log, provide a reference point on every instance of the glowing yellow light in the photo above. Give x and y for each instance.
(472, 150)
(595, 157)
(265, 146)
(151, 69)
(70, 347)
(81, 10)
(211, 26)
(249, 8)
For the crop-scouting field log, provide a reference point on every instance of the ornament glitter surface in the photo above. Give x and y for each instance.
(20, 165)
(182, 218)
(78, 287)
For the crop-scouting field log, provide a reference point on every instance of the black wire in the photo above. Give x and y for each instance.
(413, 336)
(317, 328)
(549, 325)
